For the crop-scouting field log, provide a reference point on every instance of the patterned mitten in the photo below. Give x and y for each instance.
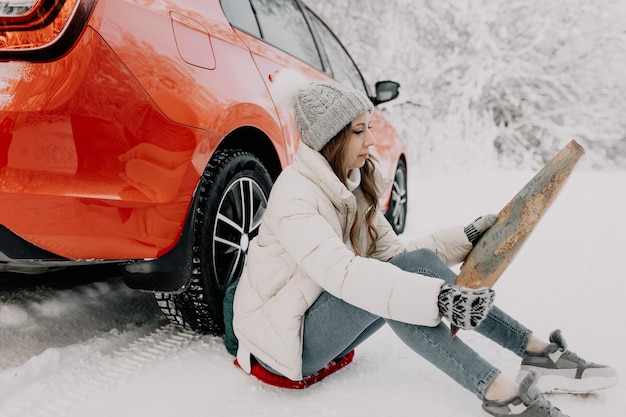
(464, 307)
(475, 229)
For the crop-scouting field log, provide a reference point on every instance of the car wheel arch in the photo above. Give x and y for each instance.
(169, 272)
(253, 140)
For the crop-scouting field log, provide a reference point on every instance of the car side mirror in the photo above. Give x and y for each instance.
(386, 91)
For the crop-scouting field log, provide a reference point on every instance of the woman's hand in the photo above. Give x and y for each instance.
(475, 229)
(464, 307)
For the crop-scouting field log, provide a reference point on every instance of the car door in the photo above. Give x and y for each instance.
(279, 38)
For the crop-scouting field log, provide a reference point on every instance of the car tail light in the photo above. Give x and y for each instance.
(41, 30)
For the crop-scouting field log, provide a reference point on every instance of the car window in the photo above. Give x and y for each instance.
(240, 14)
(343, 68)
(284, 26)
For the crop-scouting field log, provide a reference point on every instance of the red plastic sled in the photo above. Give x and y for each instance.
(280, 381)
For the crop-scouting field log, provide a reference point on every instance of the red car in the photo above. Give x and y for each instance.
(144, 133)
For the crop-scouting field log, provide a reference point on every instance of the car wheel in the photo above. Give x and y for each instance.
(396, 213)
(232, 198)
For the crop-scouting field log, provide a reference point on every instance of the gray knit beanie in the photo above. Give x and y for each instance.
(322, 109)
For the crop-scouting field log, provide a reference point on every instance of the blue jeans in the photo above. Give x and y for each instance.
(332, 328)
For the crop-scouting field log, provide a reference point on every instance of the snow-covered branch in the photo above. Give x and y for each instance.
(493, 82)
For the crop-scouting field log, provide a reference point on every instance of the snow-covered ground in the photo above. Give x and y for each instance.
(103, 350)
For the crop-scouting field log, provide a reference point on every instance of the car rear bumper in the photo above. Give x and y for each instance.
(90, 168)
(19, 255)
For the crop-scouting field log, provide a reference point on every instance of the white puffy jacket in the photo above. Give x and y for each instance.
(303, 249)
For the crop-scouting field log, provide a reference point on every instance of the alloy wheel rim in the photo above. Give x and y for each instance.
(399, 198)
(237, 222)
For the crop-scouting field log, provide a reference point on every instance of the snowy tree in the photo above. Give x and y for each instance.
(493, 81)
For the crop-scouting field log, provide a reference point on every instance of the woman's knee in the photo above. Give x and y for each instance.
(424, 262)
(428, 257)
(417, 256)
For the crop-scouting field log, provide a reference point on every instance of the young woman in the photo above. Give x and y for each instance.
(326, 271)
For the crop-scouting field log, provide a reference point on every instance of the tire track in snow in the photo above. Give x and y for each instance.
(67, 389)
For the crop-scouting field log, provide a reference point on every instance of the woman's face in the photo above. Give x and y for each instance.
(360, 139)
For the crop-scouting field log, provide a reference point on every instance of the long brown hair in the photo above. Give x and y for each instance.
(334, 153)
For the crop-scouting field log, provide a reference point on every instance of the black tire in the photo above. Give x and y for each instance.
(232, 198)
(396, 212)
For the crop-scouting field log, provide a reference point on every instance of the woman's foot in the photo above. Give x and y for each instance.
(501, 388)
(563, 371)
(527, 401)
